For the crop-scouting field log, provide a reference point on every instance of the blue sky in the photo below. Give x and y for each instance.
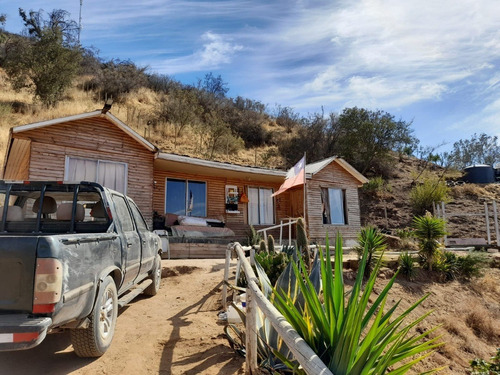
(431, 62)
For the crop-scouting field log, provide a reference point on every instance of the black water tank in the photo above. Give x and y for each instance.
(480, 174)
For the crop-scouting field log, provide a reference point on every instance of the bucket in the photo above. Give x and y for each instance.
(232, 314)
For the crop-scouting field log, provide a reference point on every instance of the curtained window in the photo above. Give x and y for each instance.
(185, 197)
(112, 175)
(333, 202)
(260, 206)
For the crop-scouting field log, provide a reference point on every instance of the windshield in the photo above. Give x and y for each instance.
(51, 208)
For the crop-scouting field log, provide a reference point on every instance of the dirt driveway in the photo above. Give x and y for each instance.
(175, 332)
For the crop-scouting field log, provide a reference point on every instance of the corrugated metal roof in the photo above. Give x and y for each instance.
(314, 168)
(219, 165)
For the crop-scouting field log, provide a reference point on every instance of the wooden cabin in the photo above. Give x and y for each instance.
(203, 204)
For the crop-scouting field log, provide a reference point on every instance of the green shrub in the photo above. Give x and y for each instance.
(407, 265)
(481, 367)
(374, 185)
(350, 337)
(431, 190)
(471, 265)
(446, 263)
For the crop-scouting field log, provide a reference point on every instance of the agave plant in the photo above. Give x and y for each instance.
(351, 337)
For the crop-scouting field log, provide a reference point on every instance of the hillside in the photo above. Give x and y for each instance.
(390, 208)
(136, 110)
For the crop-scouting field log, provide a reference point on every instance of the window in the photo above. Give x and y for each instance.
(139, 220)
(333, 201)
(185, 197)
(123, 213)
(110, 174)
(260, 206)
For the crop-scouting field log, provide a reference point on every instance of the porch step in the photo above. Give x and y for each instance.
(198, 250)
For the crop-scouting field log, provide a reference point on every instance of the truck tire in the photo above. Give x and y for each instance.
(152, 290)
(94, 340)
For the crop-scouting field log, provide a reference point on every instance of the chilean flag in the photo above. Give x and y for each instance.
(295, 176)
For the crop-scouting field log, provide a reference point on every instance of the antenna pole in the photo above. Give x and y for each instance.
(80, 21)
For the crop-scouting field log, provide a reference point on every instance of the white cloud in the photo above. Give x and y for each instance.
(217, 50)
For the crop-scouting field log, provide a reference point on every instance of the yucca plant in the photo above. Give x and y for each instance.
(352, 337)
(428, 230)
(407, 265)
(371, 239)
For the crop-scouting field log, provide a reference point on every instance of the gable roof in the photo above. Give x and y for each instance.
(121, 125)
(316, 167)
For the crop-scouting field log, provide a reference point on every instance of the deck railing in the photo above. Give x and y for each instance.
(255, 299)
(291, 221)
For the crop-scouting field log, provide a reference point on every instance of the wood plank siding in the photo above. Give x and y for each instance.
(216, 193)
(92, 138)
(18, 160)
(332, 176)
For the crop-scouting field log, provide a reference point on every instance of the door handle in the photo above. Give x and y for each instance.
(129, 244)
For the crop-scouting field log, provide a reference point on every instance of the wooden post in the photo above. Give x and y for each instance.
(226, 277)
(443, 212)
(290, 232)
(251, 334)
(487, 217)
(281, 232)
(252, 256)
(495, 216)
(238, 270)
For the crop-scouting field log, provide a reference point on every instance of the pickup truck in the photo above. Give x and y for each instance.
(70, 255)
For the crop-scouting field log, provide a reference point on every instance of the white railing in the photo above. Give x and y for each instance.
(291, 221)
(306, 357)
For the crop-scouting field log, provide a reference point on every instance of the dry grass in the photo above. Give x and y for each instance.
(482, 324)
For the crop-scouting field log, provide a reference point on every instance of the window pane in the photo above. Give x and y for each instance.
(266, 206)
(81, 170)
(253, 206)
(139, 220)
(176, 197)
(197, 201)
(123, 213)
(112, 175)
(336, 200)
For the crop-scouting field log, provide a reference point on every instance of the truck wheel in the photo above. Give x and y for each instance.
(156, 277)
(94, 340)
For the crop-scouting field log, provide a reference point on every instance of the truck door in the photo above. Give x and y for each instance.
(131, 242)
(149, 246)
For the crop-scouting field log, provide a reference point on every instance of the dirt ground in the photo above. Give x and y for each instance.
(175, 332)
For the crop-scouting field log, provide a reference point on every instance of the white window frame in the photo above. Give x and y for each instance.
(344, 205)
(187, 191)
(258, 206)
(66, 168)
